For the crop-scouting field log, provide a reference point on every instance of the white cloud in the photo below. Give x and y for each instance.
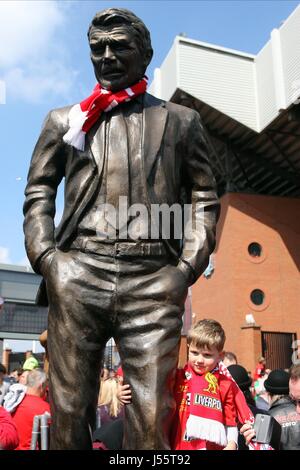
(37, 81)
(33, 58)
(25, 29)
(4, 255)
(2, 92)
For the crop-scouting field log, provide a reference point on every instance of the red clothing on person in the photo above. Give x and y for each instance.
(8, 433)
(29, 407)
(225, 405)
(259, 372)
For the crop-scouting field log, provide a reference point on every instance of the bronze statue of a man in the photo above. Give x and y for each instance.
(127, 280)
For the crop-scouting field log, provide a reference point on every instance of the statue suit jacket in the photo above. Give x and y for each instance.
(176, 170)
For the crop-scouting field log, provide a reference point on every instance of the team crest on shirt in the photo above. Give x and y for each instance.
(212, 381)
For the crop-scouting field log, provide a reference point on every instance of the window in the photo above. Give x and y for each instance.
(257, 296)
(255, 250)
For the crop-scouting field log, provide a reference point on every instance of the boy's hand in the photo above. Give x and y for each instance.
(124, 394)
(248, 432)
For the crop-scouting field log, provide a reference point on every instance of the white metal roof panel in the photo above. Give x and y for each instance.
(253, 90)
(223, 80)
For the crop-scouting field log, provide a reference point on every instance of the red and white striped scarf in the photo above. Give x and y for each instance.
(83, 116)
(205, 419)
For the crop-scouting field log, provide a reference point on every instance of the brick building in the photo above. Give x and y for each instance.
(250, 107)
(20, 318)
(256, 272)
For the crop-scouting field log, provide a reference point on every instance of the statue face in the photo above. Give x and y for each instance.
(116, 58)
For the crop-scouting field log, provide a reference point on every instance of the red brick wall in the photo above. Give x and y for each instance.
(274, 223)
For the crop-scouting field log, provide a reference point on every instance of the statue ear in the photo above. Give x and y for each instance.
(147, 57)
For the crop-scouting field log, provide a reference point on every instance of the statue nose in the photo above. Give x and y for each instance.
(108, 53)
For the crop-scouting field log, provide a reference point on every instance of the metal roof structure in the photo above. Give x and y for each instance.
(249, 105)
(20, 318)
(18, 283)
(246, 161)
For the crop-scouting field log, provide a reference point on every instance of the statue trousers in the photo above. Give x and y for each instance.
(139, 301)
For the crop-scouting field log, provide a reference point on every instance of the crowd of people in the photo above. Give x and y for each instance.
(216, 398)
(23, 396)
(274, 393)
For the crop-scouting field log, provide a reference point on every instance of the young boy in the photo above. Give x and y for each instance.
(205, 394)
(208, 401)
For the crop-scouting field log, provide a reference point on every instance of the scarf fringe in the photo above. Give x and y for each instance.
(75, 135)
(207, 429)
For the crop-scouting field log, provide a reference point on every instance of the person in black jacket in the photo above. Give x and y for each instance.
(283, 409)
(243, 380)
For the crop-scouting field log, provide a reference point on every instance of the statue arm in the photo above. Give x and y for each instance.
(45, 173)
(199, 239)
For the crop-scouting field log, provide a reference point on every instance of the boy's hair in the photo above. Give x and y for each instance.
(207, 333)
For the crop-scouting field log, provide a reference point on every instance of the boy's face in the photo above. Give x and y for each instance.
(203, 360)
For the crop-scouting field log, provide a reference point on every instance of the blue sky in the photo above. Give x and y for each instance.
(44, 63)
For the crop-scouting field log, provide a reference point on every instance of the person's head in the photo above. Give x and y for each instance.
(120, 47)
(205, 341)
(36, 383)
(16, 374)
(229, 358)
(277, 384)
(43, 339)
(2, 372)
(23, 377)
(31, 363)
(241, 376)
(294, 385)
(262, 360)
(109, 396)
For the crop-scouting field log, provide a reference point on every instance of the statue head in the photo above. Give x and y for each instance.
(120, 48)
